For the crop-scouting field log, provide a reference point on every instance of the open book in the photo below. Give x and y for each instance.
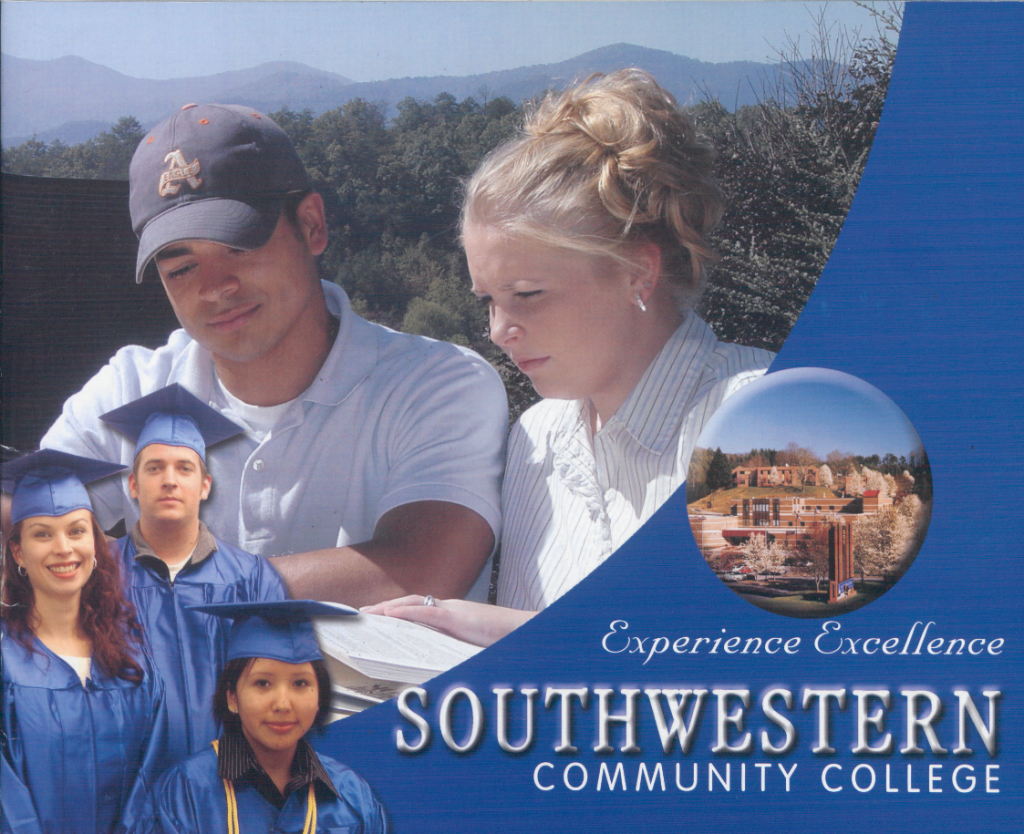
(372, 658)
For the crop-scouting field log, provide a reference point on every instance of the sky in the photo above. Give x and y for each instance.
(370, 41)
(819, 409)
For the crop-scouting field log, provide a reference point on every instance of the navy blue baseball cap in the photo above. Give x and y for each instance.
(52, 483)
(216, 172)
(278, 630)
(174, 417)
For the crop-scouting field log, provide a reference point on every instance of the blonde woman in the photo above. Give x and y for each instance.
(586, 238)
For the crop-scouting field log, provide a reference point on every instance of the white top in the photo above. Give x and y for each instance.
(258, 420)
(391, 419)
(174, 569)
(81, 665)
(572, 497)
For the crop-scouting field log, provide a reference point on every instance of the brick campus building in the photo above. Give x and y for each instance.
(786, 519)
(762, 475)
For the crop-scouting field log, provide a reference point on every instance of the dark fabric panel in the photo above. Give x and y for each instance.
(69, 295)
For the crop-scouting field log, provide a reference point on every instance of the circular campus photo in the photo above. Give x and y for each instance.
(809, 493)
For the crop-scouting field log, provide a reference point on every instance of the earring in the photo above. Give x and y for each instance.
(640, 302)
(22, 571)
(95, 563)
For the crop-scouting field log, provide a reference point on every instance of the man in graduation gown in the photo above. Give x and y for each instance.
(172, 560)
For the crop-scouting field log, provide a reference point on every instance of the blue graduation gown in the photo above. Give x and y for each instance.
(76, 758)
(189, 799)
(189, 648)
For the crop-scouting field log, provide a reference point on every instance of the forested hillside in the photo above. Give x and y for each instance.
(789, 167)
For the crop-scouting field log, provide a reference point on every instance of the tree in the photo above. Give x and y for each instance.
(918, 513)
(815, 549)
(775, 478)
(719, 475)
(890, 485)
(113, 149)
(32, 158)
(825, 476)
(714, 557)
(696, 474)
(882, 543)
(764, 558)
(874, 480)
(854, 484)
(839, 461)
(755, 551)
(789, 167)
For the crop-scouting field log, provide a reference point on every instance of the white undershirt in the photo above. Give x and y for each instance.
(175, 569)
(81, 665)
(258, 419)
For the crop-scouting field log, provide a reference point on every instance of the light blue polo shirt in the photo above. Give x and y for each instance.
(391, 419)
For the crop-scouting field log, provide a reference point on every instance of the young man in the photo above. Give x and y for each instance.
(371, 460)
(172, 561)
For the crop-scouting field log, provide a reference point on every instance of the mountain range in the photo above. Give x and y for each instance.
(72, 99)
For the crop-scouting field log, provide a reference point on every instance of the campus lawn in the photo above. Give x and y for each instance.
(808, 604)
(721, 500)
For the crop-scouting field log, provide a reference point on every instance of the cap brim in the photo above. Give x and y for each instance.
(230, 222)
(85, 469)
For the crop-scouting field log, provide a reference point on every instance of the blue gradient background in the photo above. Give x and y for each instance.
(922, 298)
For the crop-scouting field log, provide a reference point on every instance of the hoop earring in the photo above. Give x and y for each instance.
(95, 563)
(22, 571)
(640, 302)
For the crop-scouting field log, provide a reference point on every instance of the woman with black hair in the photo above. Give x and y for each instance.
(261, 774)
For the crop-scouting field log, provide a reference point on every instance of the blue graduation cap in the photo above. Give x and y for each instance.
(279, 630)
(52, 483)
(174, 417)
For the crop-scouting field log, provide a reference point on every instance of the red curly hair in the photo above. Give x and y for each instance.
(106, 616)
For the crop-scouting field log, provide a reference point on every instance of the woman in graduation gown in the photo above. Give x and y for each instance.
(84, 723)
(261, 774)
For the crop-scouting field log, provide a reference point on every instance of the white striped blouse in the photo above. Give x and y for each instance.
(570, 497)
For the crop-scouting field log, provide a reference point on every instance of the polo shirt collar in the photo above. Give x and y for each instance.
(653, 410)
(353, 356)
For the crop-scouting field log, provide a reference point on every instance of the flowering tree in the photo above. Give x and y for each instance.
(776, 477)
(825, 476)
(873, 480)
(764, 557)
(854, 484)
(919, 514)
(883, 543)
(890, 485)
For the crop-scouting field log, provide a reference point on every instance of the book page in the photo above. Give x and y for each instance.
(390, 649)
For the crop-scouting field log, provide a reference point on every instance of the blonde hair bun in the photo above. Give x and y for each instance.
(604, 165)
